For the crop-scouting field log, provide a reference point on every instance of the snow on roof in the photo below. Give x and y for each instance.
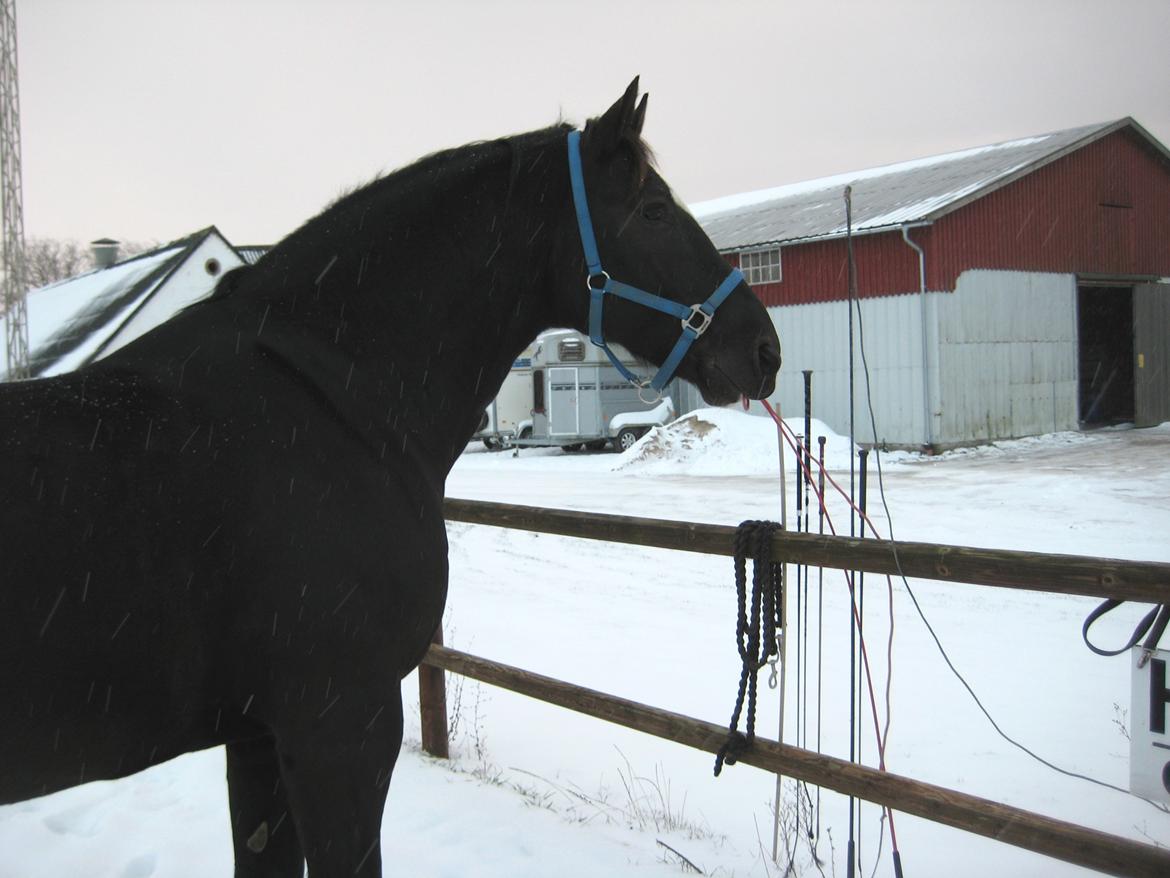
(70, 320)
(53, 309)
(883, 197)
(63, 318)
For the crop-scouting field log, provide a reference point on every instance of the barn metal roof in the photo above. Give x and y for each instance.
(889, 196)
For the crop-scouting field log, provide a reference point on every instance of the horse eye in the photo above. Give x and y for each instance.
(655, 210)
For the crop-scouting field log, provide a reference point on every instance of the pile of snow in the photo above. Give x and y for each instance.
(727, 442)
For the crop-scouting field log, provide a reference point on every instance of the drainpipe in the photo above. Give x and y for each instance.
(922, 316)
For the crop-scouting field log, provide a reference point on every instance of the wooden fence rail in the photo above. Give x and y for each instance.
(1142, 581)
(1066, 841)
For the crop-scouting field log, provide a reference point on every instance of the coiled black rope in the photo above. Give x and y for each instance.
(755, 629)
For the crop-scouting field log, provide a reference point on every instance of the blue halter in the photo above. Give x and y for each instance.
(694, 318)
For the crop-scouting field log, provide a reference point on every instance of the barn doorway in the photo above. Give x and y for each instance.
(1105, 333)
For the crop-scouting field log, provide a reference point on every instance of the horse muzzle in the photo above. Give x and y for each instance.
(725, 375)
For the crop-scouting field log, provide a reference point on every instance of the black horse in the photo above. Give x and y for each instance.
(231, 530)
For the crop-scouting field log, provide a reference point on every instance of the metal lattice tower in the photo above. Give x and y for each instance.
(15, 307)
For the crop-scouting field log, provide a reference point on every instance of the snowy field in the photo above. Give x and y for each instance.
(538, 791)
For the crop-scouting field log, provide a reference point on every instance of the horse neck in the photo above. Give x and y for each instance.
(425, 289)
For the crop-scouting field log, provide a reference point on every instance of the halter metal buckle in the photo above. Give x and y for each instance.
(603, 276)
(704, 320)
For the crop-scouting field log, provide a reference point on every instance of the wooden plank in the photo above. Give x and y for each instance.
(1144, 581)
(1055, 838)
(432, 706)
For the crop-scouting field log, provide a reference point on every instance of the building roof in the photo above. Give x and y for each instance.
(69, 321)
(886, 197)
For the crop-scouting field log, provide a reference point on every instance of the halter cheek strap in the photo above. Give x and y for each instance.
(694, 319)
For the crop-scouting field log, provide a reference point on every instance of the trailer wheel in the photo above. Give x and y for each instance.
(626, 438)
(526, 433)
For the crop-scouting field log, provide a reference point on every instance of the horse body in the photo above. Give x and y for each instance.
(231, 531)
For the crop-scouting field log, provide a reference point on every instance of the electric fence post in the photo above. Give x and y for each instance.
(781, 643)
(851, 848)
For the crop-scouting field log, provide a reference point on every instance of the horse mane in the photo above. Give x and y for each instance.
(469, 156)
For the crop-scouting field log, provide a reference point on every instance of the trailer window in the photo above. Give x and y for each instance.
(571, 350)
(538, 391)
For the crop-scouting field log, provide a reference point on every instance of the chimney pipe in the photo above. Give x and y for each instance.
(105, 252)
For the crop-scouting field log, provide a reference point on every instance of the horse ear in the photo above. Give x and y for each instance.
(619, 121)
(640, 115)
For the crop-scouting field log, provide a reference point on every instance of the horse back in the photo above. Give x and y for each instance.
(188, 566)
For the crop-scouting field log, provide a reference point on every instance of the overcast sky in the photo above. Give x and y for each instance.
(149, 120)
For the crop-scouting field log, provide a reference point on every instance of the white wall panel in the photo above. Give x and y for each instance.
(1008, 355)
(1000, 362)
(816, 337)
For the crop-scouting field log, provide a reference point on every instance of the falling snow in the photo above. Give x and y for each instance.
(658, 627)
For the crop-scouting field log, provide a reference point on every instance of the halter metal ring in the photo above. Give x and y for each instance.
(704, 321)
(604, 275)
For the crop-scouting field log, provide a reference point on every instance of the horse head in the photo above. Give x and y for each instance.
(647, 242)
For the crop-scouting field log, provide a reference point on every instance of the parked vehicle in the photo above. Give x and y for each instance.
(579, 400)
(565, 392)
(509, 417)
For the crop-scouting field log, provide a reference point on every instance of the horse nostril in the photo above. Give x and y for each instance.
(768, 356)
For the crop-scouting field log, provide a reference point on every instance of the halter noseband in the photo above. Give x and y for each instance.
(694, 318)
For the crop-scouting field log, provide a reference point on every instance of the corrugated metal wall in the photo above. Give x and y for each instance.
(1151, 318)
(819, 271)
(1007, 350)
(1104, 209)
(816, 337)
(1001, 361)
(1002, 347)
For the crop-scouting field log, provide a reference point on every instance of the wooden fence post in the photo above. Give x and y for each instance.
(432, 703)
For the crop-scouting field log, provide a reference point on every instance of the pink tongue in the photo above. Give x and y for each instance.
(745, 402)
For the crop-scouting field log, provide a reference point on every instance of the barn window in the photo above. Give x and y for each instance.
(760, 266)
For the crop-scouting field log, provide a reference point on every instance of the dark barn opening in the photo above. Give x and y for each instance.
(1105, 331)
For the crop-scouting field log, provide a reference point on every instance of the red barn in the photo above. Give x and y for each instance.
(1005, 290)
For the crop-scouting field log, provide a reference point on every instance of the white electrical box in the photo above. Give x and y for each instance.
(1149, 728)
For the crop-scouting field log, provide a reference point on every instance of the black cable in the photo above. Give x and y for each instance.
(926, 622)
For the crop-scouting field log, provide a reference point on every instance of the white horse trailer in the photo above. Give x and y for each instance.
(580, 400)
(509, 416)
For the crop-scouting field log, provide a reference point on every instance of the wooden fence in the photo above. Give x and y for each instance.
(1147, 582)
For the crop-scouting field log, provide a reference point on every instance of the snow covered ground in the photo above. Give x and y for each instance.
(537, 791)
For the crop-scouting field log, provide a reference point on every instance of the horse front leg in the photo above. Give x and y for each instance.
(264, 834)
(337, 772)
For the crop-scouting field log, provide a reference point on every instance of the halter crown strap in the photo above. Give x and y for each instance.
(581, 203)
(694, 318)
